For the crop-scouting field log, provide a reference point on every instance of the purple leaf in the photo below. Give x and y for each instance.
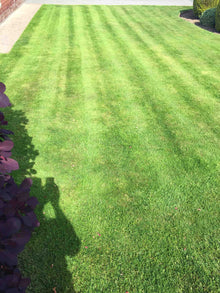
(4, 195)
(23, 196)
(30, 220)
(24, 283)
(12, 290)
(32, 202)
(12, 279)
(3, 230)
(2, 87)
(2, 181)
(14, 225)
(16, 243)
(2, 117)
(4, 101)
(1, 204)
(25, 185)
(5, 154)
(3, 284)
(5, 131)
(10, 227)
(9, 209)
(8, 165)
(6, 145)
(8, 258)
(13, 248)
(2, 121)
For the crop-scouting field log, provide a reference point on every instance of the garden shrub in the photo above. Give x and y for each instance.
(217, 18)
(208, 17)
(199, 6)
(17, 217)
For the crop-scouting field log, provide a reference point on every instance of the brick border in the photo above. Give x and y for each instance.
(7, 7)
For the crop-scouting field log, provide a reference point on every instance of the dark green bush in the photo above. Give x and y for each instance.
(199, 6)
(208, 17)
(217, 18)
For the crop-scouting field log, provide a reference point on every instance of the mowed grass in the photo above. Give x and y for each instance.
(116, 118)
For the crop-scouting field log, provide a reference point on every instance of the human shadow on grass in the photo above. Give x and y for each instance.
(52, 242)
(44, 258)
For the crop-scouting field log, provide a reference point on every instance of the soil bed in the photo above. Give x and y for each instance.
(189, 16)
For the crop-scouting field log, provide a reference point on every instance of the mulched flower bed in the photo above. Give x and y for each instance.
(189, 16)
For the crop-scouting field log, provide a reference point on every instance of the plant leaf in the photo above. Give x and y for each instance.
(4, 101)
(2, 87)
(8, 165)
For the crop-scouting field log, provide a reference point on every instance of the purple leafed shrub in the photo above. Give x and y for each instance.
(17, 217)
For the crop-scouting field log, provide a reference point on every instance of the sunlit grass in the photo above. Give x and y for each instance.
(116, 119)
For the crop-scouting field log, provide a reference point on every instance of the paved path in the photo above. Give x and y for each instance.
(116, 2)
(12, 28)
(14, 25)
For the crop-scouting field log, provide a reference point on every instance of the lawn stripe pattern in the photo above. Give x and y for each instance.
(116, 111)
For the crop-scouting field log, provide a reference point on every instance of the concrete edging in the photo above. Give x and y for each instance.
(12, 28)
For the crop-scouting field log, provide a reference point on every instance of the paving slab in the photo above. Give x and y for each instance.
(12, 28)
(116, 2)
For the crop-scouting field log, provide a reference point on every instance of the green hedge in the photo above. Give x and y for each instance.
(208, 17)
(199, 6)
(217, 18)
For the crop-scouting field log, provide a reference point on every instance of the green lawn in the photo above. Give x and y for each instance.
(116, 118)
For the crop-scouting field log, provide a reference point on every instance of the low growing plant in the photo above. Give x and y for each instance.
(17, 217)
(208, 18)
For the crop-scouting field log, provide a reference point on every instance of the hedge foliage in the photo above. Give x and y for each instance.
(199, 6)
(217, 18)
(208, 17)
